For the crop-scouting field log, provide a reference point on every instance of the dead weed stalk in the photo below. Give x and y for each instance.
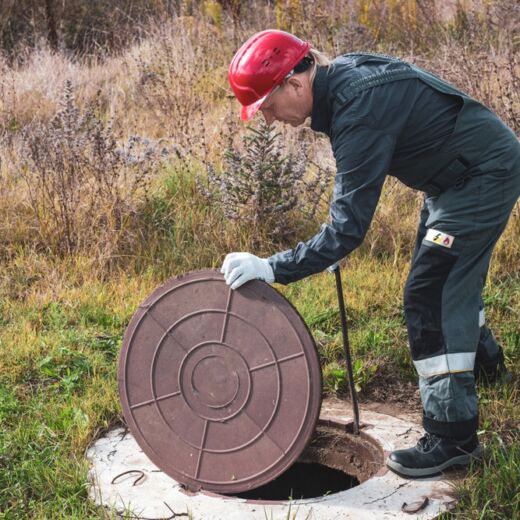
(82, 185)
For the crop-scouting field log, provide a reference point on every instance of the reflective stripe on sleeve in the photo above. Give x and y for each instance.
(445, 364)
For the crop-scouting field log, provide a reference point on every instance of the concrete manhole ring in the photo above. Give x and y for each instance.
(380, 495)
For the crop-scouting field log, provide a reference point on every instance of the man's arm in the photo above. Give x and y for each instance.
(364, 136)
(363, 156)
(363, 140)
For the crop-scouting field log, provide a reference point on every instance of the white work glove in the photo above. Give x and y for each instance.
(239, 268)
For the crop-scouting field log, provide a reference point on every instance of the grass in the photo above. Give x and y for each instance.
(61, 335)
(58, 390)
(63, 312)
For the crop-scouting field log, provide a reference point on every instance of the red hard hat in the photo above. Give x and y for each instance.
(261, 64)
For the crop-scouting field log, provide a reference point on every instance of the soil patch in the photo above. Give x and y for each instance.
(388, 394)
(356, 455)
(387, 390)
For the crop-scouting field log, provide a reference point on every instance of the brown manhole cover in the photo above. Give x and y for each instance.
(221, 388)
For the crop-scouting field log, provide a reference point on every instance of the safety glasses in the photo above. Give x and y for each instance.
(280, 85)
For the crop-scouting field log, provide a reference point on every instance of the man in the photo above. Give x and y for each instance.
(385, 116)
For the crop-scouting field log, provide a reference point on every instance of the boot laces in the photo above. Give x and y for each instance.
(427, 442)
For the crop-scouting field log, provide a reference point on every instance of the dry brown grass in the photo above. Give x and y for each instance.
(171, 88)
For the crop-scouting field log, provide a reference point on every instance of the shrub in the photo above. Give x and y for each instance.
(264, 188)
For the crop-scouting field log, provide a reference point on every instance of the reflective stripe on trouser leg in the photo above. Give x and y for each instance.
(445, 364)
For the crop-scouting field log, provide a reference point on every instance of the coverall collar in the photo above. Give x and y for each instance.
(320, 117)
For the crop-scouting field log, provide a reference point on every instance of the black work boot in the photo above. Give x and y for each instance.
(434, 454)
(488, 371)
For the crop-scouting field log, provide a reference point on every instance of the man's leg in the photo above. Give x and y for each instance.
(442, 297)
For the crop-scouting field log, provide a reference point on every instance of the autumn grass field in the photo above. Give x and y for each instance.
(102, 160)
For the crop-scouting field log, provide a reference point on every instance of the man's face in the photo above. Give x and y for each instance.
(290, 103)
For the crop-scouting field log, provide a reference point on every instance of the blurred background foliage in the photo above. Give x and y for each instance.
(151, 75)
(93, 26)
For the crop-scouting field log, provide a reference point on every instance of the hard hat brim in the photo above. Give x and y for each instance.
(247, 112)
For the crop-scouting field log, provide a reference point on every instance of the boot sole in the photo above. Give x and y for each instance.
(461, 460)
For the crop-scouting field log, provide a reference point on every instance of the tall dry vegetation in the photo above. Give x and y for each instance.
(260, 187)
(67, 188)
(81, 184)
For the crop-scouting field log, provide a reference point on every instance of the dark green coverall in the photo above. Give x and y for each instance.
(385, 116)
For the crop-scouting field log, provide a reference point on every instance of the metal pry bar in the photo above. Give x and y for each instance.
(346, 345)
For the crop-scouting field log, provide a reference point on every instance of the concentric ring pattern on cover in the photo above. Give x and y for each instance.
(221, 388)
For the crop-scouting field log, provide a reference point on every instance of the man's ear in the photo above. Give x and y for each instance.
(296, 83)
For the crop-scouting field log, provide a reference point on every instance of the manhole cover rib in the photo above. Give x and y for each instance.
(221, 388)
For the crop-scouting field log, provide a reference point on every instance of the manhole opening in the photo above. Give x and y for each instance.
(334, 461)
(302, 480)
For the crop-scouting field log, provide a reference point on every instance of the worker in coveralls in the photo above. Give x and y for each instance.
(384, 116)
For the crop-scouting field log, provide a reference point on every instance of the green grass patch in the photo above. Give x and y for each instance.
(58, 382)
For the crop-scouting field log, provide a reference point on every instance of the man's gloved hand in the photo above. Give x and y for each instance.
(239, 268)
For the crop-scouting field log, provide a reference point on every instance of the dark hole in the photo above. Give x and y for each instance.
(303, 480)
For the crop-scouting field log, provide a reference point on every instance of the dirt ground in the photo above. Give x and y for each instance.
(388, 396)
